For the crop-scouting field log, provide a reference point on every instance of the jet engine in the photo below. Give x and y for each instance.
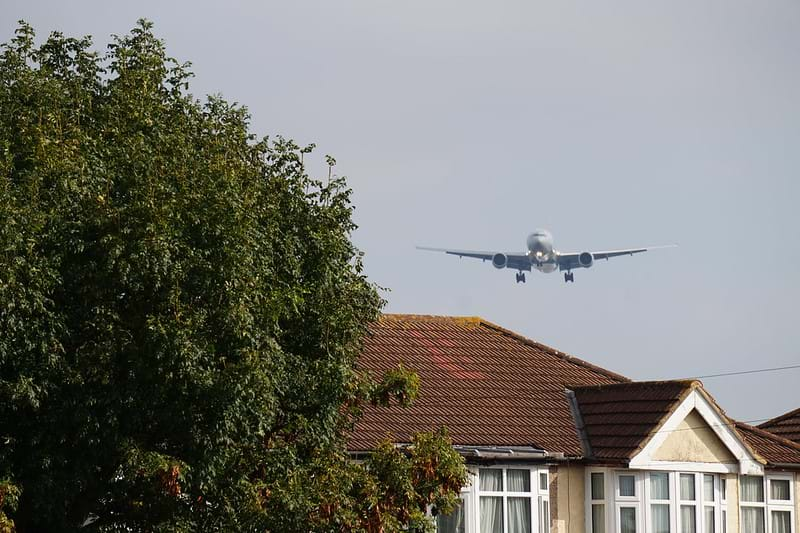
(499, 260)
(586, 259)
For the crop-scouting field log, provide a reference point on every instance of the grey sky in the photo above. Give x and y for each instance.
(468, 124)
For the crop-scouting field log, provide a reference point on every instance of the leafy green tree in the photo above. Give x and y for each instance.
(181, 308)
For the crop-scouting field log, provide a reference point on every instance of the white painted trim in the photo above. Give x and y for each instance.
(747, 463)
(673, 466)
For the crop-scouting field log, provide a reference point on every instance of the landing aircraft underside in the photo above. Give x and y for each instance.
(542, 256)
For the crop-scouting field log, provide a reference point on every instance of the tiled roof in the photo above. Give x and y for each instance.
(776, 450)
(489, 386)
(786, 425)
(619, 419)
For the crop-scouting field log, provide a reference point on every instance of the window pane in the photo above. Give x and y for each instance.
(660, 514)
(724, 522)
(543, 481)
(687, 487)
(723, 487)
(491, 479)
(598, 518)
(781, 522)
(491, 514)
(752, 489)
(544, 513)
(627, 486)
(518, 480)
(659, 486)
(708, 519)
(688, 518)
(598, 486)
(453, 522)
(708, 488)
(752, 520)
(779, 489)
(627, 519)
(519, 515)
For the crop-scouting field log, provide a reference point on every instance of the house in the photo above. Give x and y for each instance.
(556, 444)
(786, 426)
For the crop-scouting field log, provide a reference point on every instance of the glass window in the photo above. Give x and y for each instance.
(598, 518)
(544, 523)
(779, 489)
(781, 522)
(491, 514)
(723, 488)
(491, 479)
(688, 519)
(518, 480)
(453, 522)
(598, 486)
(627, 486)
(752, 520)
(659, 486)
(724, 523)
(708, 488)
(660, 515)
(543, 485)
(687, 487)
(519, 515)
(627, 519)
(752, 489)
(708, 519)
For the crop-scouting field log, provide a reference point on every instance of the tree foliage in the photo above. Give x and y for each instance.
(181, 307)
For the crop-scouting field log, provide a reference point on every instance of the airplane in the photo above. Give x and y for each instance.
(542, 256)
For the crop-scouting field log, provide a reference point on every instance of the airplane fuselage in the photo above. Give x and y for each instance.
(541, 251)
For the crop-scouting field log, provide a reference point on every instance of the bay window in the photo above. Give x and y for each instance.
(656, 502)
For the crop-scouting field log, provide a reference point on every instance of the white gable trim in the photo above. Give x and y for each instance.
(746, 463)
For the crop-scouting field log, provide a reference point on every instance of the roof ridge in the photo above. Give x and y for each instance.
(688, 383)
(767, 435)
(552, 351)
(779, 418)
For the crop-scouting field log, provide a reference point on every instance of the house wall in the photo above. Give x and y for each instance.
(567, 499)
(732, 495)
(694, 441)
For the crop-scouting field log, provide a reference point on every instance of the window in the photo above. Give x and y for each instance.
(752, 504)
(627, 485)
(455, 522)
(597, 490)
(709, 506)
(506, 498)
(544, 502)
(780, 504)
(656, 502)
(627, 519)
(660, 502)
(723, 496)
(688, 503)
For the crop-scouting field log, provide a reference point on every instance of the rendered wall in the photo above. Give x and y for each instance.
(567, 499)
(694, 441)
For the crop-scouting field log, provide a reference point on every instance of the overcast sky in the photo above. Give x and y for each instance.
(468, 124)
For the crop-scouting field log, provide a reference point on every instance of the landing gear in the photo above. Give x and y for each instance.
(569, 276)
(520, 277)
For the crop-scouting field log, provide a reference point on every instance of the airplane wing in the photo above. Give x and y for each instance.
(515, 260)
(568, 261)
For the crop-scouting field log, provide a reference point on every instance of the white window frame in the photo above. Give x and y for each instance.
(688, 503)
(643, 500)
(608, 489)
(537, 496)
(779, 505)
(756, 505)
(649, 501)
